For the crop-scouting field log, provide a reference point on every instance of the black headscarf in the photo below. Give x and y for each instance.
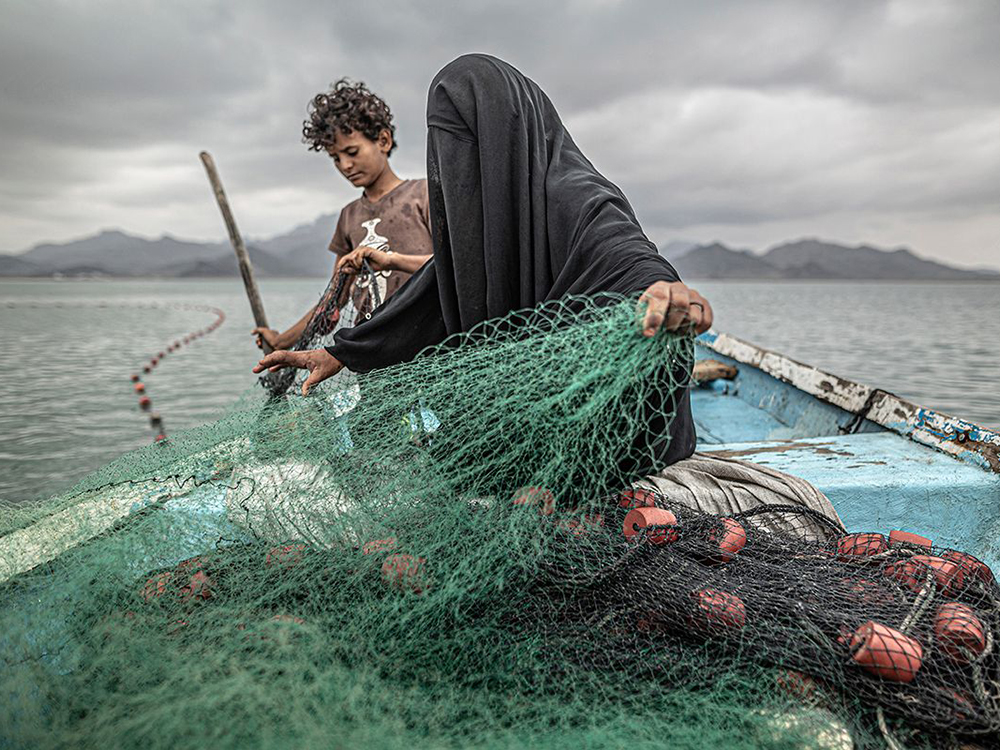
(519, 216)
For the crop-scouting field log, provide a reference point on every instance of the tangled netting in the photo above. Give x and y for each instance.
(450, 553)
(326, 319)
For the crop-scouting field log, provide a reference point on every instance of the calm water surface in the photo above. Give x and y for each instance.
(67, 349)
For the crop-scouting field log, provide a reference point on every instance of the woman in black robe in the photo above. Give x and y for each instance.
(519, 216)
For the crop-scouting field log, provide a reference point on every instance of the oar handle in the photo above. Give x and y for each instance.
(242, 257)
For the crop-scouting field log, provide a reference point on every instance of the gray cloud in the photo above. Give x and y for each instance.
(745, 121)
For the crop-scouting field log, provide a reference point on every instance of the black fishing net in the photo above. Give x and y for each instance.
(326, 319)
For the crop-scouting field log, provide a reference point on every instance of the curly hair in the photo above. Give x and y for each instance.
(346, 107)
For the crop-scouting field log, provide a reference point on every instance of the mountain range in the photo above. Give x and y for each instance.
(302, 252)
(818, 259)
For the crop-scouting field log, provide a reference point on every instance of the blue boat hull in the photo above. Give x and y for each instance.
(883, 462)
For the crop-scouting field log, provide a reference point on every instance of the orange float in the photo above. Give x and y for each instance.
(636, 497)
(726, 540)
(638, 519)
(199, 586)
(796, 684)
(156, 586)
(376, 545)
(582, 524)
(540, 496)
(285, 555)
(853, 546)
(972, 567)
(912, 573)
(885, 652)
(405, 572)
(959, 632)
(719, 611)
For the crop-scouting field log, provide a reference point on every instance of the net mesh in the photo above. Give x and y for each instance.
(450, 553)
(327, 319)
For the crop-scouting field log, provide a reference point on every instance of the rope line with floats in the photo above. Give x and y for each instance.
(140, 388)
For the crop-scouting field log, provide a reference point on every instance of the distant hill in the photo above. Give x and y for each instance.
(303, 252)
(829, 260)
(716, 261)
(115, 253)
(15, 265)
(819, 260)
(676, 248)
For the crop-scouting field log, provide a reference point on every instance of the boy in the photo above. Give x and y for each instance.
(388, 225)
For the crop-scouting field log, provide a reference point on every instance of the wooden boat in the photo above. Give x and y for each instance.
(885, 463)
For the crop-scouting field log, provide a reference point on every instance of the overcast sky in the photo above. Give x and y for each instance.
(749, 122)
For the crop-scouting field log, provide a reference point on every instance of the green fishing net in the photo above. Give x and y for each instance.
(451, 553)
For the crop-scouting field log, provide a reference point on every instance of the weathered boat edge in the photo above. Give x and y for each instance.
(964, 440)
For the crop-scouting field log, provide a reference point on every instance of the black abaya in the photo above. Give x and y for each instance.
(519, 216)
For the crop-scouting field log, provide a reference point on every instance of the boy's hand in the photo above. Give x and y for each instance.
(674, 306)
(379, 260)
(320, 363)
(269, 336)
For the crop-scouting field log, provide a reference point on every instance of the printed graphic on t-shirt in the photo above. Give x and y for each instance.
(377, 241)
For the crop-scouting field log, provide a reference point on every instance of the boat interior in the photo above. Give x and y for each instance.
(883, 462)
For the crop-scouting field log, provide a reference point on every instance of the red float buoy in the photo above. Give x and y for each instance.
(663, 525)
(198, 586)
(898, 537)
(147, 369)
(796, 684)
(861, 545)
(959, 633)
(971, 566)
(869, 592)
(135, 377)
(719, 611)
(948, 576)
(376, 545)
(540, 496)
(582, 524)
(161, 355)
(885, 652)
(145, 402)
(726, 540)
(140, 388)
(405, 572)
(156, 586)
(636, 497)
(153, 362)
(160, 437)
(286, 555)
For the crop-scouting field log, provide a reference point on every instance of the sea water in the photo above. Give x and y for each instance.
(68, 349)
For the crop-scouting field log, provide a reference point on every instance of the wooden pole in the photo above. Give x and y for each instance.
(246, 270)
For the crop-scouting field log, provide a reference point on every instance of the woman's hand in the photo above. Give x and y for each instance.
(320, 363)
(379, 260)
(674, 307)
